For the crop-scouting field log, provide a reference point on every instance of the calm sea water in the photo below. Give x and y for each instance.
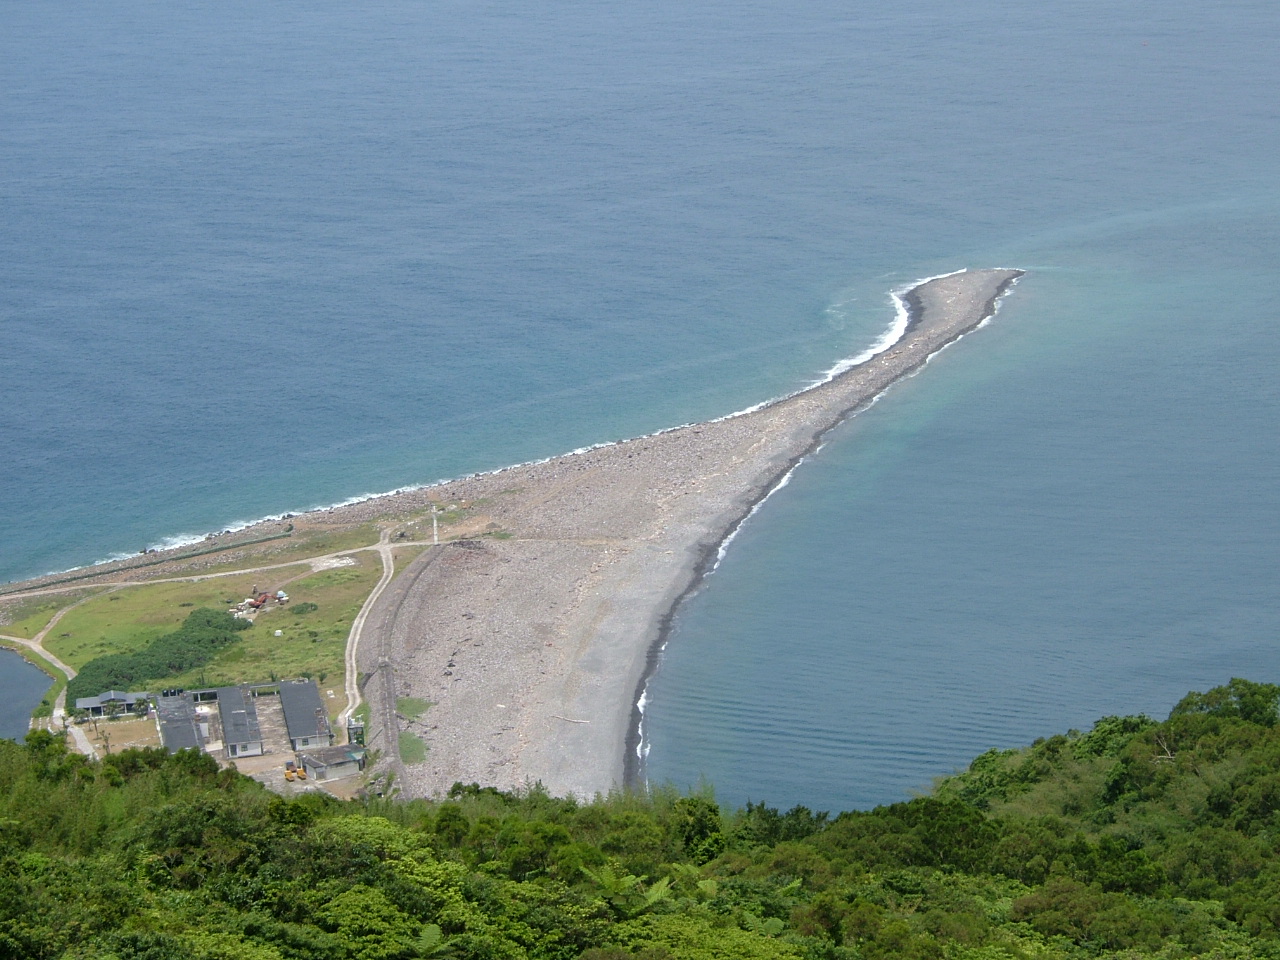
(256, 258)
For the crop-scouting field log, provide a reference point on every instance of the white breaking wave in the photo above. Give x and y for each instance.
(894, 333)
(642, 745)
(723, 548)
(191, 539)
(882, 343)
(902, 316)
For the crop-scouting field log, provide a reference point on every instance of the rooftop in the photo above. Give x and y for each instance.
(111, 696)
(239, 718)
(325, 757)
(304, 712)
(177, 716)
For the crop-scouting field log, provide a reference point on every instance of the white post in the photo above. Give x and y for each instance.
(435, 526)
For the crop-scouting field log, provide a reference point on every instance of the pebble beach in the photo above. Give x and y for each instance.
(533, 649)
(531, 636)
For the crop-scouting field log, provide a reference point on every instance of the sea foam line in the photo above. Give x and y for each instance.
(886, 340)
(191, 539)
(891, 335)
(902, 317)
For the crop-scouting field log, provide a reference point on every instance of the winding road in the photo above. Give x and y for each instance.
(384, 547)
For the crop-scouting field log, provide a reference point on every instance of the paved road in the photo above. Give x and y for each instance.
(385, 618)
(357, 627)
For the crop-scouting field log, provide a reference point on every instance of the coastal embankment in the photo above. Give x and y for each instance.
(533, 647)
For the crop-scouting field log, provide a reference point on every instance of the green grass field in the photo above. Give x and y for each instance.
(128, 619)
(305, 544)
(421, 528)
(412, 749)
(411, 708)
(405, 556)
(26, 618)
(312, 639)
(311, 643)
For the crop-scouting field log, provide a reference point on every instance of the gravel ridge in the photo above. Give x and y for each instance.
(533, 649)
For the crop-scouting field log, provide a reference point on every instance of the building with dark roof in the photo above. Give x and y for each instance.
(241, 736)
(332, 763)
(304, 715)
(180, 728)
(115, 700)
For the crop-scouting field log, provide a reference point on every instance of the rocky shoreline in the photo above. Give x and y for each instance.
(533, 649)
(532, 634)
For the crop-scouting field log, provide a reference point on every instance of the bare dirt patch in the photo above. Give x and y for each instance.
(112, 736)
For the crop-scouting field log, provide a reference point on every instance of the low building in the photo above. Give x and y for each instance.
(241, 736)
(114, 702)
(332, 763)
(180, 726)
(304, 715)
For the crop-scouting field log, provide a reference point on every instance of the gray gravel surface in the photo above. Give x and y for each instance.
(531, 649)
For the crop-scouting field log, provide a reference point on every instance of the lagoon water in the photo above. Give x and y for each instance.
(256, 259)
(21, 687)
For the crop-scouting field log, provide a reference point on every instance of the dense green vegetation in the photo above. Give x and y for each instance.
(1134, 840)
(193, 644)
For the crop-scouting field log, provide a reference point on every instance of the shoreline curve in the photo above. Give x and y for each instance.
(534, 633)
(635, 746)
(535, 650)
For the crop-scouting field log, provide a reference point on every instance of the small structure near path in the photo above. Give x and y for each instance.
(114, 703)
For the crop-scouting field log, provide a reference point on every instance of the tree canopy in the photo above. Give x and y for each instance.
(193, 644)
(1135, 839)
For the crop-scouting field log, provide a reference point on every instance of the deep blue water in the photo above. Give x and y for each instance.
(257, 258)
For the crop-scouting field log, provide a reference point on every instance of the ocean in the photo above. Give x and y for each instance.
(260, 258)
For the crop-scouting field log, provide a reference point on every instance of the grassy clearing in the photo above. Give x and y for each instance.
(26, 618)
(112, 736)
(312, 641)
(421, 528)
(305, 544)
(313, 627)
(412, 749)
(127, 620)
(411, 708)
(404, 556)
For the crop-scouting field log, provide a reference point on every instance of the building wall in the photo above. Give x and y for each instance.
(332, 771)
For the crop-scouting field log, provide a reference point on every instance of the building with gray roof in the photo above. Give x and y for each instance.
(180, 728)
(241, 736)
(332, 763)
(304, 714)
(116, 700)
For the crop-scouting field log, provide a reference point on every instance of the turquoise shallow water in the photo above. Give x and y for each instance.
(261, 258)
(1070, 513)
